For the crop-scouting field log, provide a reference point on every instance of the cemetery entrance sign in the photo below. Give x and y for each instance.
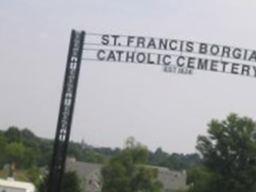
(174, 55)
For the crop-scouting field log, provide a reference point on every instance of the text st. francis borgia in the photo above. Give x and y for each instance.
(175, 55)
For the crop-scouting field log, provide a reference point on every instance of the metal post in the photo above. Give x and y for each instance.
(66, 110)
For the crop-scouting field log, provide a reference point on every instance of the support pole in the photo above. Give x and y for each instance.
(66, 111)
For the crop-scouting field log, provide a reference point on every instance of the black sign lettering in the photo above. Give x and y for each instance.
(181, 61)
(245, 70)
(234, 68)
(168, 52)
(105, 39)
(214, 65)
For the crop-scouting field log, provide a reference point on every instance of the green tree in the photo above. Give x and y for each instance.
(13, 134)
(34, 175)
(174, 161)
(229, 156)
(3, 144)
(71, 183)
(127, 172)
(15, 153)
(19, 155)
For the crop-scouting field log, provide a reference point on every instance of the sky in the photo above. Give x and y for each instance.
(115, 101)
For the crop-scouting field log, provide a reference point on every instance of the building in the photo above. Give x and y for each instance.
(90, 175)
(10, 185)
(172, 180)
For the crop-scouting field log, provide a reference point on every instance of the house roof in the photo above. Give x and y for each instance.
(29, 187)
(171, 180)
(83, 169)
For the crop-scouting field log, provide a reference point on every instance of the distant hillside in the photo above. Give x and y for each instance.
(26, 149)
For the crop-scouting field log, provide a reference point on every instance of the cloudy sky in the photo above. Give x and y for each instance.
(114, 100)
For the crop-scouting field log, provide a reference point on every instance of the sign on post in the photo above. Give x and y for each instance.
(66, 110)
(176, 56)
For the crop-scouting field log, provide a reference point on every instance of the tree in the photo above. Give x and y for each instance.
(3, 143)
(174, 161)
(202, 180)
(13, 134)
(229, 156)
(71, 182)
(20, 156)
(127, 172)
(15, 153)
(34, 175)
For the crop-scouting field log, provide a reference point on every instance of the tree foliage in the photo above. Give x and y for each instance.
(29, 152)
(229, 157)
(174, 161)
(71, 183)
(127, 172)
(39, 151)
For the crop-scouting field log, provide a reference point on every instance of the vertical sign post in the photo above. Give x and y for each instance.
(66, 110)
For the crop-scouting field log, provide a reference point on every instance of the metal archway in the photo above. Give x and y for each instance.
(176, 56)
